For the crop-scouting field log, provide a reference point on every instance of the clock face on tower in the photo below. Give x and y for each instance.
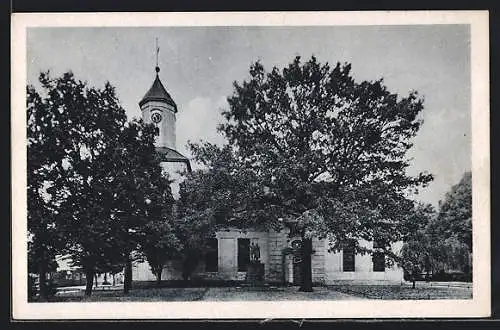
(156, 117)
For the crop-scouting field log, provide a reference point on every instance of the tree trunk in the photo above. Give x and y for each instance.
(189, 265)
(89, 277)
(185, 277)
(127, 281)
(42, 274)
(114, 282)
(306, 267)
(158, 277)
(413, 279)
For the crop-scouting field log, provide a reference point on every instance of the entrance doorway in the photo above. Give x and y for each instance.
(296, 261)
(296, 271)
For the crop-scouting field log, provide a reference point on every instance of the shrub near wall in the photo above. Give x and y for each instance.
(451, 277)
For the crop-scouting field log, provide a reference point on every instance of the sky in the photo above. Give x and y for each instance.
(199, 64)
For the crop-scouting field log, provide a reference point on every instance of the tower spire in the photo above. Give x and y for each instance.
(157, 68)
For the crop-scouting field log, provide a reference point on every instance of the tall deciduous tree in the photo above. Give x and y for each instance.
(323, 151)
(455, 212)
(142, 194)
(158, 242)
(159, 245)
(106, 170)
(417, 254)
(211, 198)
(443, 242)
(44, 169)
(451, 231)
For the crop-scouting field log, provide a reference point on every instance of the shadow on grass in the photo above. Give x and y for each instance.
(404, 292)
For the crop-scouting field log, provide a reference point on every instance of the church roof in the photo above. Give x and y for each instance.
(158, 93)
(171, 155)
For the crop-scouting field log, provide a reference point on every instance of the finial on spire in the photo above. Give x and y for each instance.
(157, 68)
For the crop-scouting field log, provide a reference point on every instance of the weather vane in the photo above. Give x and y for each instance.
(157, 51)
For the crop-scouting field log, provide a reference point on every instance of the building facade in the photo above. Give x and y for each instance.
(228, 255)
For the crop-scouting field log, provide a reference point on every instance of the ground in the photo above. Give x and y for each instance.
(425, 291)
(269, 293)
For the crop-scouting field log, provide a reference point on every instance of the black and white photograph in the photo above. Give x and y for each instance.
(250, 165)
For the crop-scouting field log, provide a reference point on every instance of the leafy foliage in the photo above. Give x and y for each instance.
(455, 212)
(101, 170)
(442, 241)
(310, 138)
(43, 170)
(158, 242)
(451, 231)
(308, 145)
(417, 254)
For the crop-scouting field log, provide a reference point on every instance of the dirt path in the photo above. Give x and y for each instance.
(273, 294)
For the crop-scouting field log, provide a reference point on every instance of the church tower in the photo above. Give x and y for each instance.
(158, 108)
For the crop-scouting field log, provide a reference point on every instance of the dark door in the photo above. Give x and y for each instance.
(243, 254)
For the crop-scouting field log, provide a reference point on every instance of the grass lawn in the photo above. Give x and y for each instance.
(404, 292)
(148, 292)
(205, 294)
(138, 294)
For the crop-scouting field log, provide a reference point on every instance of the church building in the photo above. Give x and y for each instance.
(230, 252)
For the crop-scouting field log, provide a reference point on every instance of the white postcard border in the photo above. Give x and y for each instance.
(479, 306)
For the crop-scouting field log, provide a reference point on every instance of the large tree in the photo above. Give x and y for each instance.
(212, 198)
(104, 169)
(455, 212)
(445, 241)
(44, 240)
(418, 254)
(158, 241)
(141, 193)
(324, 153)
(451, 231)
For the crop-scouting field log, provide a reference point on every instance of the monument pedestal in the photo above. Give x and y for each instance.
(255, 273)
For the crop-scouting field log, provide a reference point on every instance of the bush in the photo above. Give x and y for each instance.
(443, 276)
(418, 277)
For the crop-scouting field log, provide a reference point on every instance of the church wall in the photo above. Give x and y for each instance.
(363, 271)
(326, 266)
(173, 170)
(228, 252)
(318, 261)
(277, 242)
(142, 272)
(227, 266)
